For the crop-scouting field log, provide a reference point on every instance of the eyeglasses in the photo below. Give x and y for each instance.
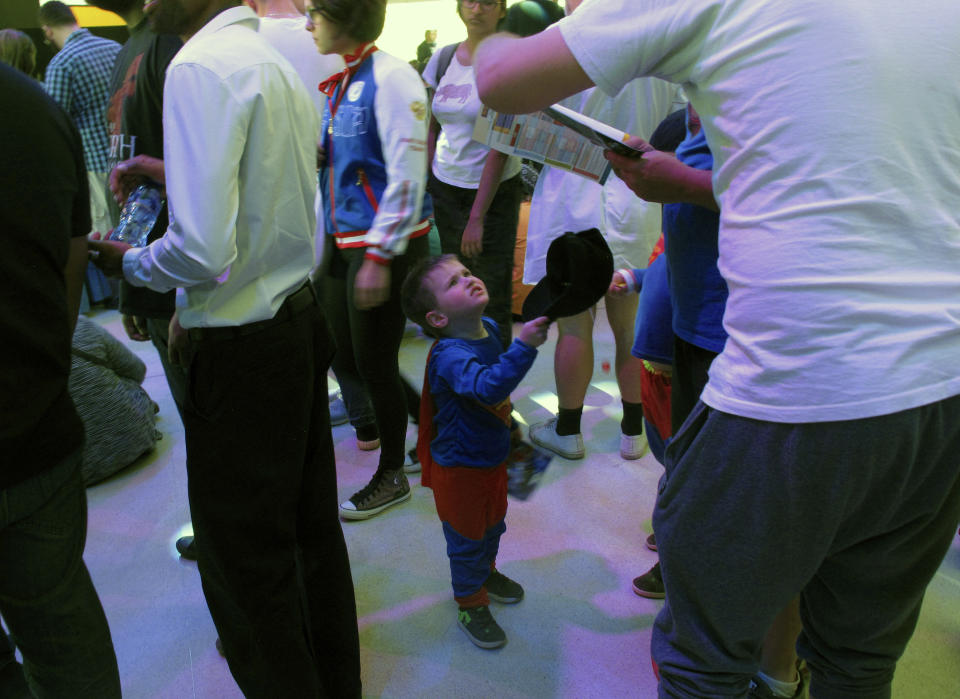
(315, 13)
(484, 4)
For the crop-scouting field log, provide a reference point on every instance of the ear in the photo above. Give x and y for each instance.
(252, 4)
(436, 319)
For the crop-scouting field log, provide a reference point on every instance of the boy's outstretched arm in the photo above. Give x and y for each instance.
(534, 332)
(518, 76)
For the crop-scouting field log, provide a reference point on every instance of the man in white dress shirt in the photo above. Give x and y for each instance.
(240, 160)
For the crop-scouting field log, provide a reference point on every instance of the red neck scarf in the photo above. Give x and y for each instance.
(353, 61)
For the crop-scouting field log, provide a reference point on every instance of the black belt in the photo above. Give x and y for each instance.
(297, 302)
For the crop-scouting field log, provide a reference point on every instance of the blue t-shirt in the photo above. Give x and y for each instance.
(698, 292)
(467, 379)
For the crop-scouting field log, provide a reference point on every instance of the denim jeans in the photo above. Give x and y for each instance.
(46, 596)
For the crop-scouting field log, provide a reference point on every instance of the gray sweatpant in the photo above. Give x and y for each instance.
(855, 515)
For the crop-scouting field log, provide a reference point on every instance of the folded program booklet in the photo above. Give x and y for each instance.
(525, 466)
(556, 136)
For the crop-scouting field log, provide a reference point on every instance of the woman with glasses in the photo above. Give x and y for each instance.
(372, 176)
(476, 190)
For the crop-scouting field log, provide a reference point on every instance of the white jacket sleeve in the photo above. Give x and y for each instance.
(401, 110)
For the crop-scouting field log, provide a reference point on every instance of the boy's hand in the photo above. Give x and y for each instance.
(618, 285)
(534, 332)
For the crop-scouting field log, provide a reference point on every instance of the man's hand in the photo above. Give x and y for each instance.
(371, 287)
(178, 342)
(136, 328)
(128, 174)
(659, 177)
(534, 332)
(471, 244)
(108, 256)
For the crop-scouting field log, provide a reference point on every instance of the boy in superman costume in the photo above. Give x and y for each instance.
(465, 430)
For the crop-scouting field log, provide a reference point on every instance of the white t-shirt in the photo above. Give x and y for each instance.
(563, 201)
(836, 138)
(458, 159)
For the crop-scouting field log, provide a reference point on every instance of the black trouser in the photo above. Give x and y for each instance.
(368, 342)
(494, 265)
(263, 495)
(691, 365)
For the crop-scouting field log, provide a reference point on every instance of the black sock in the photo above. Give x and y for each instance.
(568, 421)
(632, 422)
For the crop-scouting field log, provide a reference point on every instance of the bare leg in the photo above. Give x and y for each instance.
(778, 658)
(622, 313)
(573, 358)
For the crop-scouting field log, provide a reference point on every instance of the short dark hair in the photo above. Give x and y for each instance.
(415, 298)
(56, 14)
(118, 7)
(361, 19)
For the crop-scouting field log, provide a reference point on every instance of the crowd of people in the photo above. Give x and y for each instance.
(792, 351)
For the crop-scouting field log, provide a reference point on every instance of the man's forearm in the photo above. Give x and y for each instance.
(519, 76)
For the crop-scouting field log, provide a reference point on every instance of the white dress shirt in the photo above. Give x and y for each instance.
(240, 157)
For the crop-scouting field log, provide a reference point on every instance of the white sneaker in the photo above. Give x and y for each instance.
(411, 464)
(569, 446)
(632, 447)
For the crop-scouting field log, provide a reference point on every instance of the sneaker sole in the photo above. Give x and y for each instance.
(504, 600)
(629, 454)
(572, 455)
(374, 511)
(486, 645)
(648, 594)
(368, 446)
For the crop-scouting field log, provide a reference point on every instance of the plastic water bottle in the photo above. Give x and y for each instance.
(138, 216)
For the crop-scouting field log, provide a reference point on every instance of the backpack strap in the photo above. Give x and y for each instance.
(444, 58)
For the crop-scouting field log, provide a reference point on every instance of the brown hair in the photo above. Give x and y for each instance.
(18, 50)
(360, 19)
(415, 298)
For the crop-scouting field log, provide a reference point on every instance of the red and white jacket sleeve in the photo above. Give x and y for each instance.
(401, 111)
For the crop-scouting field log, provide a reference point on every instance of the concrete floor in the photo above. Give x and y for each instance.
(575, 546)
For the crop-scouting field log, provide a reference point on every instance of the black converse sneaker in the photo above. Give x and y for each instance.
(502, 589)
(384, 489)
(481, 628)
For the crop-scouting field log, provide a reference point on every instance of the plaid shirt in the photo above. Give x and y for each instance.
(78, 78)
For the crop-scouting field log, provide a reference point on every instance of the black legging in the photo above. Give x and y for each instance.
(368, 342)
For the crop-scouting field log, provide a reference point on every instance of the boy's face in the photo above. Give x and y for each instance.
(459, 294)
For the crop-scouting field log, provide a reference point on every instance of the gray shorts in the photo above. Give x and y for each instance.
(856, 516)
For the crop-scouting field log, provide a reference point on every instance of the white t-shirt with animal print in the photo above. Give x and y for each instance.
(458, 159)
